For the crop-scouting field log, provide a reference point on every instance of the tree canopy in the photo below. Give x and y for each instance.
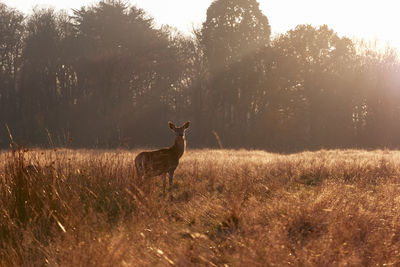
(107, 76)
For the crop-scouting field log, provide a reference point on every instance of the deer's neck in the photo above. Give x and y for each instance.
(179, 146)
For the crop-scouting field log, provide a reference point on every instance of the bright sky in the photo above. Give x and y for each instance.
(369, 19)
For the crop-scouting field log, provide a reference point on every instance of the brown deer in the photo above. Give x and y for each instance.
(162, 161)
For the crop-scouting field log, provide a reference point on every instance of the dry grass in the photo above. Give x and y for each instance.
(236, 208)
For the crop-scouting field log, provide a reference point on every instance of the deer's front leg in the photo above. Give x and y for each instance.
(164, 177)
(171, 176)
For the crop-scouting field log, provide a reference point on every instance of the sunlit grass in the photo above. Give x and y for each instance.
(235, 207)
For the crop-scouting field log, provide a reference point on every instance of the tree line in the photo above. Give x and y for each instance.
(106, 76)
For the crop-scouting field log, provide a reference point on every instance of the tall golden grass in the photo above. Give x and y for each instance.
(227, 208)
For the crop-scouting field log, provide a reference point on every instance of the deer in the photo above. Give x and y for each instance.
(163, 161)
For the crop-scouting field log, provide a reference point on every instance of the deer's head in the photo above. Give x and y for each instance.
(179, 131)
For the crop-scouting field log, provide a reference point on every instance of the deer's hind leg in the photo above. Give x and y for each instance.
(139, 176)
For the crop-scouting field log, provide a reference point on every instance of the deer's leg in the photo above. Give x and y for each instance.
(171, 176)
(140, 174)
(139, 178)
(164, 177)
(146, 182)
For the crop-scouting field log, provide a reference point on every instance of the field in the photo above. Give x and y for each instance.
(64, 207)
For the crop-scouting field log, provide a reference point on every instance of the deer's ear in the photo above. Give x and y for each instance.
(171, 125)
(186, 125)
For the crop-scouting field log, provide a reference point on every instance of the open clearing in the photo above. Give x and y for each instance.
(227, 208)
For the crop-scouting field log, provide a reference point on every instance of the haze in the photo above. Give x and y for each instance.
(371, 20)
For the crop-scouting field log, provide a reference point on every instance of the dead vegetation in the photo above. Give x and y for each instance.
(235, 208)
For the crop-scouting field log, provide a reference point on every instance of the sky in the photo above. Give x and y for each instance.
(373, 20)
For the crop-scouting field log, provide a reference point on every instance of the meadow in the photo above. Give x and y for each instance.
(61, 207)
